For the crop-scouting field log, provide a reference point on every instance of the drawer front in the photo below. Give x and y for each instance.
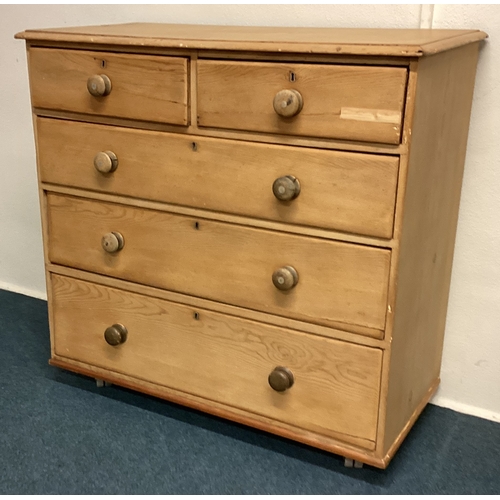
(338, 282)
(143, 87)
(362, 103)
(222, 358)
(349, 192)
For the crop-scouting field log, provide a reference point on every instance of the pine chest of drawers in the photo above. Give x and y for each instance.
(258, 223)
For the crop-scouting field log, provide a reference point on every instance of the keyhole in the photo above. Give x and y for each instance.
(196, 316)
(194, 146)
(292, 76)
(103, 64)
(197, 225)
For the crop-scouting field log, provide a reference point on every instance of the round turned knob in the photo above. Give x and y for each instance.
(286, 188)
(99, 85)
(116, 334)
(288, 103)
(105, 162)
(285, 278)
(281, 379)
(112, 242)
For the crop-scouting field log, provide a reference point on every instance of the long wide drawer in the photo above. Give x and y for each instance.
(351, 192)
(362, 103)
(142, 87)
(338, 283)
(335, 389)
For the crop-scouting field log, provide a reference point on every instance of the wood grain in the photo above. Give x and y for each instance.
(197, 213)
(193, 129)
(393, 272)
(302, 58)
(339, 282)
(373, 42)
(443, 100)
(350, 333)
(222, 358)
(239, 96)
(402, 61)
(359, 452)
(143, 87)
(345, 191)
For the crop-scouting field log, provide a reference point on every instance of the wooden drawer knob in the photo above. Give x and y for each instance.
(105, 162)
(285, 278)
(99, 85)
(288, 103)
(281, 379)
(286, 188)
(112, 242)
(115, 334)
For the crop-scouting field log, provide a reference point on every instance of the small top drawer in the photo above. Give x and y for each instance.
(362, 103)
(142, 87)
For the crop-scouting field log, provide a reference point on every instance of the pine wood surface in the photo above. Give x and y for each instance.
(437, 154)
(143, 87)
(338, 282)
(393, 272)
(362, 450)
(336, 385)
(418, 409)
(223, 217)
(357, 191)
(261, 137)
(363, 103)
(373, 42)
(350, 333)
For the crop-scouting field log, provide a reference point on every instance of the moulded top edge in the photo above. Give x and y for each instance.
(341, 41)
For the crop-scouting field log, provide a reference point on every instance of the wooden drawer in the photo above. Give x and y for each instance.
(143, 87)
(350, 192)
(222, 358)
(361, 103)
(339, 283)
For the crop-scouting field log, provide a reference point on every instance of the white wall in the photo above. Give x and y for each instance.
(471, 362)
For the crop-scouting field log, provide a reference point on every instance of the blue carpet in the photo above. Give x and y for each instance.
(60, 434)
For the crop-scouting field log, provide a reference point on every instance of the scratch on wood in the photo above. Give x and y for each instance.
(371, 115)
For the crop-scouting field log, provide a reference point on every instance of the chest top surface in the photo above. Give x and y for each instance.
(368, 42)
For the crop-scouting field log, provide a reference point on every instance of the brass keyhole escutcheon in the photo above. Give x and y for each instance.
(281, 379)
(116, 334)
